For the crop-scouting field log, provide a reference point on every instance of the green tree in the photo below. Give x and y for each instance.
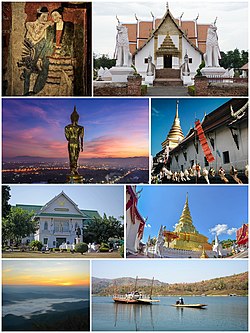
(5, 200)
(234, 59)
(99, 230)
(103, 61)
(18, 224)
(198, 72)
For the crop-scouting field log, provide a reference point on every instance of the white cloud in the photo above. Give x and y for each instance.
(220, 229)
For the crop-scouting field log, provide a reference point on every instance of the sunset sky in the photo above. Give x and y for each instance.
(46, 273)
(113, 127)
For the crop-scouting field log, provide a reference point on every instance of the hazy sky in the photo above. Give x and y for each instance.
(169, 271)
(232, 19)
(163, 113)
(104, 199)
(113, 127)
(46, 273)
(221, 209)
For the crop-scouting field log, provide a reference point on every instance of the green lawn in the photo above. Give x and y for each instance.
(17, 254)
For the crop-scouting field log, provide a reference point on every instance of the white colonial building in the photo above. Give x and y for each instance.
(60, 221)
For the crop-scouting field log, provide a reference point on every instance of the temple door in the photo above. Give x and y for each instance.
(167, 61)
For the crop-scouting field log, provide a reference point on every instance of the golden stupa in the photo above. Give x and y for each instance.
(189, 238)
(175, 135)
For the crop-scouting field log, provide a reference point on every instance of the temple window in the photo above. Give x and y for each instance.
(190, 60)
(45, 241)
(145, 60)
(226, 158)
(45, 225)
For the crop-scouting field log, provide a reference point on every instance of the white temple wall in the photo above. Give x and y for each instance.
(192, 53)
(143, 54)
(223, 143)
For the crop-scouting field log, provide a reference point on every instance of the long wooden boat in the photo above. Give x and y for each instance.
(197, 306)
(135, 297)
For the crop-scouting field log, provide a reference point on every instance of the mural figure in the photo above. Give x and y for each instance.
(34, 56)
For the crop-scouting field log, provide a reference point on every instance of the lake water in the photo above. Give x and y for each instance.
(221, 314)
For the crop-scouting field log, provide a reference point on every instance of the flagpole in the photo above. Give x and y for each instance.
(195, 143)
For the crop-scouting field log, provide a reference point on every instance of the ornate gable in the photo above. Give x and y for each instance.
(61, 204)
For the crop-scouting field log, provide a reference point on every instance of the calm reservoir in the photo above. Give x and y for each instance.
(221, 314)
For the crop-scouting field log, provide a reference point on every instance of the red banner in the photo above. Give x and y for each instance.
(242, 235)
(203, 142)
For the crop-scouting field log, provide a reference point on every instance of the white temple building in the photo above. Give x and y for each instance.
(168, 41)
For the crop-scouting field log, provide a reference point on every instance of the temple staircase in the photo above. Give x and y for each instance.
(167, 77)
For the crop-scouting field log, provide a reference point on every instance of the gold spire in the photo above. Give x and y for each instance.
(188, 237)
(175, 135)
(186, 216)
(185, 223)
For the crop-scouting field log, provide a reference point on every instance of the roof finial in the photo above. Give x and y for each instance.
(215, 20)
(167, 7)
(197, 17)
(177, 109)
(117, 19)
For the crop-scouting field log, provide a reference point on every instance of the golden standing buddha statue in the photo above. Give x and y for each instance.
(74, 134)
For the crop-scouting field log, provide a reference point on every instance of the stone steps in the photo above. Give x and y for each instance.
(159, 82)
(167, 73)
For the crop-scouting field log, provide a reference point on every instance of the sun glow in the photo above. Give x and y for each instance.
(50, 273)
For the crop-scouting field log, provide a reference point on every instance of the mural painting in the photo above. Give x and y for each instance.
(46, 49)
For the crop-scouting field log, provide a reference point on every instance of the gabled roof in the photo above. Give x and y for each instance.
(62, 194)
(30, 208)
(168, 13)
(40, 210)
(217, 118)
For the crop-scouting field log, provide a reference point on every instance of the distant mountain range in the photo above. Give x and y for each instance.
(235, 284)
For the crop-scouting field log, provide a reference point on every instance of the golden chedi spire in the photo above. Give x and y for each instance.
(175, 135)
(185, 223)
(188, 237)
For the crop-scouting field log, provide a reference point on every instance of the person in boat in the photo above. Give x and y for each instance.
(180, 301)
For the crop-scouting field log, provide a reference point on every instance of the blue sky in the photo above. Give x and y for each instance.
(113, 127)
(169, 271)
(105, 199)
(163, 113)
(220, 208)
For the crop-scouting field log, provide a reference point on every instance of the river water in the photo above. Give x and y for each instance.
(221, 314)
